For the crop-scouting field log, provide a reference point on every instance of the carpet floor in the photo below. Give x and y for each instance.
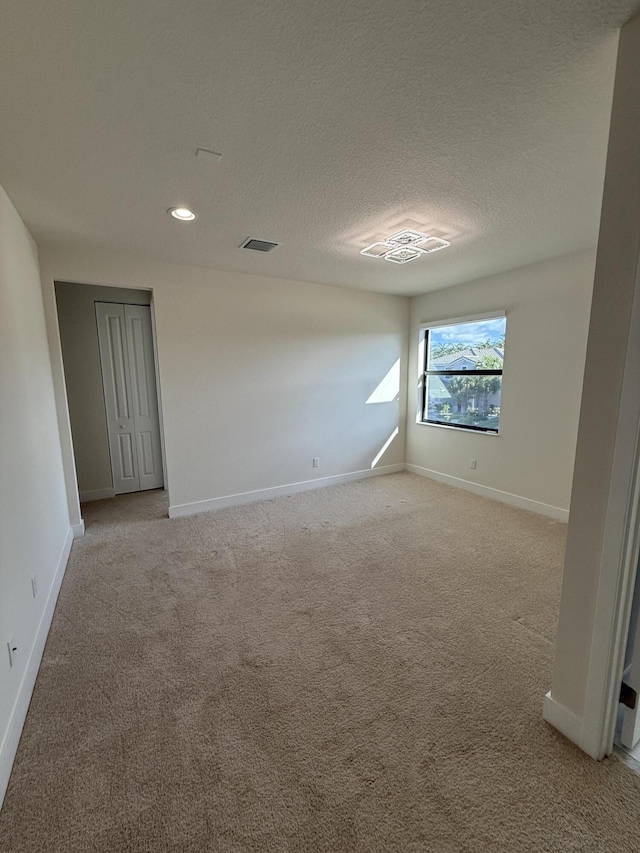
(358, 668)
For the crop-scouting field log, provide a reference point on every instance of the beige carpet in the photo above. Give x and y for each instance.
(357, 668)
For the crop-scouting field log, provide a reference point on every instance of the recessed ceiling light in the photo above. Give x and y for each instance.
(182, 213)
(405, 246)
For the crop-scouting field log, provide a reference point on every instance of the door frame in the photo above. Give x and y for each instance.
(618, 560)
(60, 388)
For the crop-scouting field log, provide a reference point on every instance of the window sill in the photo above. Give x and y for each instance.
(458, 429)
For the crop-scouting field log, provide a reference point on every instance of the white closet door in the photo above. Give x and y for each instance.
(144, 395)
(130, 395)
(116, 379)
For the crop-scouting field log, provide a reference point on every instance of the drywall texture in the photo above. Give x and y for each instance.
(547, 308)
(484, 121)
(595, 537)
(33, 507)
(83, 376)
(259, 375)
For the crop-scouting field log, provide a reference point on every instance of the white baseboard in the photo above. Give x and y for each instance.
(96, 495)
(278, 491)
(565, 721)
(554, 512)
(21, 706)
(78, 530)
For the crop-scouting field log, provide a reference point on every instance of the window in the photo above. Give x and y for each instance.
(462, 373)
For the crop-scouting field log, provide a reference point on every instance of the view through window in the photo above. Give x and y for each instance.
(463, 374)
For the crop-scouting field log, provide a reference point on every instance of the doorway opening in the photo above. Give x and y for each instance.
(628, 722)
(627, 734)
(108, 352)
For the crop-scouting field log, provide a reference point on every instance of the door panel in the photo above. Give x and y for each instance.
(127, 467)
(118, 360)
(144, 396)
(139, 367)
(116, 380)
(147, 466)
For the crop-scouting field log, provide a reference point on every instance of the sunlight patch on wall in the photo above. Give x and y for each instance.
(384, 447)
(389, 387)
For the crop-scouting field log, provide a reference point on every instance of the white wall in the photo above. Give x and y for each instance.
(35, 536)
(257, 375)
(83, 375)
(530, 461)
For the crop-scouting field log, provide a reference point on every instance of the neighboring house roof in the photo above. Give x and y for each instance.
(467, 357)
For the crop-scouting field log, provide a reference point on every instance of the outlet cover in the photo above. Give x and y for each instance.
(472, 463)
(34, 586)
(316, 461)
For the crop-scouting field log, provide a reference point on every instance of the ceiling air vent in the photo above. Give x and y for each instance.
(258, 245)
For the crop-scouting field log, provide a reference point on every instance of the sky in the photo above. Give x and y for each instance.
(470, 334)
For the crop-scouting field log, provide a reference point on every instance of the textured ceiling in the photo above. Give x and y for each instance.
(484, 121)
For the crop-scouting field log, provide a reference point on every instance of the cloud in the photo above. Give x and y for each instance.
(470, 334)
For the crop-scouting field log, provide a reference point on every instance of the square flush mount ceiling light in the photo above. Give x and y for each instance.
(405, 246)
(407, 238)
(404, 254)
(376, 250)
(434, 244)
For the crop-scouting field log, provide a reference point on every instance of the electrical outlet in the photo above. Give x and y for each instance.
(472, 463)
(12, 649)
(34, 586)
(316, 461)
